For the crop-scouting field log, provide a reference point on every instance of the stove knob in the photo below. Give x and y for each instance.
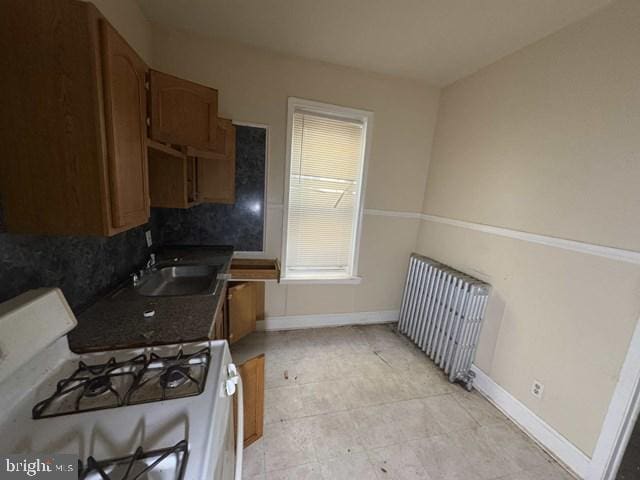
(230, 387)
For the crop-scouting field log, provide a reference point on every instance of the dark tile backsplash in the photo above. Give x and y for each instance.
(240, 224)
(83, 267)
(86, 267)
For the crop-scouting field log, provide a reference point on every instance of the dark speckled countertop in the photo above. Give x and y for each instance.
(117, 321)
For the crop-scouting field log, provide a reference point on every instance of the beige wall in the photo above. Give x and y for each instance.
(128, 19)
(253, 87)
(546, 141)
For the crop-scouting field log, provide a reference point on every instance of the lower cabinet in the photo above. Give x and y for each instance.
(245, 305)
(252, 374)
(237, 318)
(220, 323)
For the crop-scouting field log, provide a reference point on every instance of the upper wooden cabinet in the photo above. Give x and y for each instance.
(74, 127)
(125, 114)
(182, 112)
(73, 113)
(217, 171)
(181, 177)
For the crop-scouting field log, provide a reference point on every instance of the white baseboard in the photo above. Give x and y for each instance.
(295, 322)
(558, 446)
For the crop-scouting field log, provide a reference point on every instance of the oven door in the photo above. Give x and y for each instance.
(226, 461)
(229, 462)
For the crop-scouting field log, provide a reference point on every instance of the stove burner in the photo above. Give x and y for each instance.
(175, 376)
(178, 376)
(97, 386)
(140, 465)
(142, 379)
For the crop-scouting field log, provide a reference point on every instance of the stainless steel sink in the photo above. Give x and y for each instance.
(178, 280)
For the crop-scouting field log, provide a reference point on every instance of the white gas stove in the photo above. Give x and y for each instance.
(155, 413)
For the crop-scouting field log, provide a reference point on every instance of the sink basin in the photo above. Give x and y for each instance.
(178, 280)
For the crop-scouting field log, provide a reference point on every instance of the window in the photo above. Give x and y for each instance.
(327, 148)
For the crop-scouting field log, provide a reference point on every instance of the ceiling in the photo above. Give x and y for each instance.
(438, 41)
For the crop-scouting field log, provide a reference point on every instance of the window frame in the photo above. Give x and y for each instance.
(364, 116)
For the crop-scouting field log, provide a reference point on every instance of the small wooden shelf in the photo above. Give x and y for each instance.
(256, 269)
(161, 147)
(204, 154)
(172, 178)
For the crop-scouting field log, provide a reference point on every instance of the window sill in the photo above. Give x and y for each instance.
(321, 281)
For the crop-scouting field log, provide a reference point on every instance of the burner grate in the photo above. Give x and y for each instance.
(166, 463)
(165, 378)
(91, 387)
(141, 379)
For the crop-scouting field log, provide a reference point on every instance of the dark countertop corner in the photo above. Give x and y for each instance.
(116, 320)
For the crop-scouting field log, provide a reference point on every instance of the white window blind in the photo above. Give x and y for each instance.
(325, 181)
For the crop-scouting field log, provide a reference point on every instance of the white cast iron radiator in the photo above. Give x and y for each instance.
(442, 312)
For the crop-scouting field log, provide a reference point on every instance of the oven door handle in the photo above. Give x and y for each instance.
(234, 385)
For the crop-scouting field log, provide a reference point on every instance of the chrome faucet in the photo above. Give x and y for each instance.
(149, 265)
(152, 261)
(137, 277)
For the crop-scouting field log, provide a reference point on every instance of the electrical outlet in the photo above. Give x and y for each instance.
(147, 235)
(537, 388)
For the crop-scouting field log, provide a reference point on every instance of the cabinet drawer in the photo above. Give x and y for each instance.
(255, 269)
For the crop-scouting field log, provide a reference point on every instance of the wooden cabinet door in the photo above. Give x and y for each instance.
(172, 177)
(241, 304)
(219, 324)
(217, 172)
(192, 180)
(125, 117)
(252, 374)
(183, 112)
(168, 183)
